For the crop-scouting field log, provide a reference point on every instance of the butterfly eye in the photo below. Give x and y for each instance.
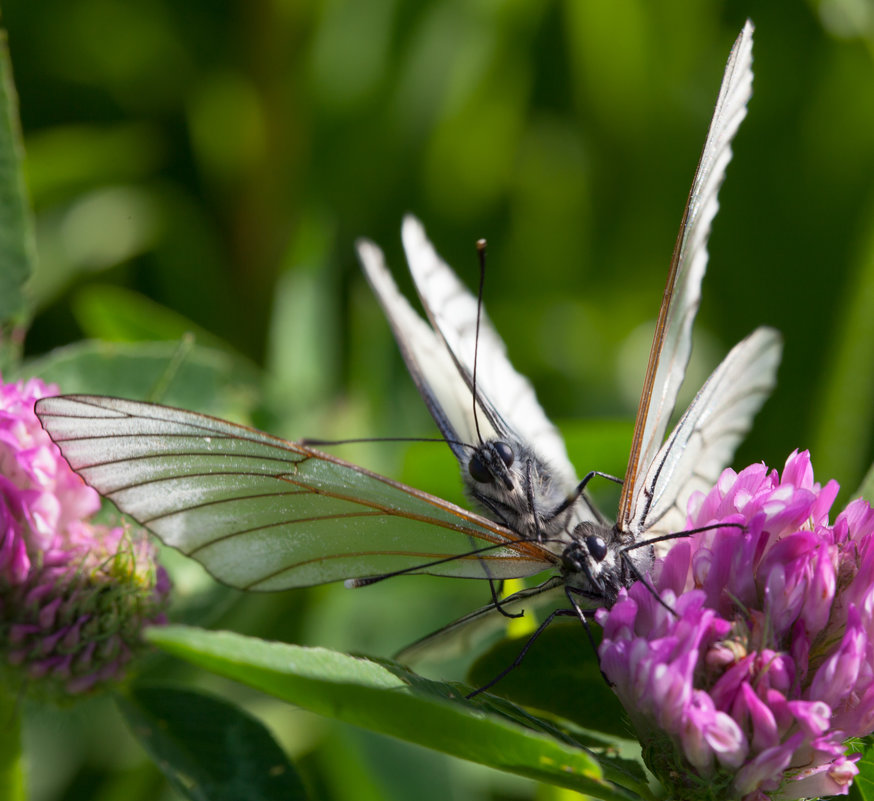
(597, 547)
(505, 452)
(478, 471)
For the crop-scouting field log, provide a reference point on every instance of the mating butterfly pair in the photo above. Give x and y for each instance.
(265, 514)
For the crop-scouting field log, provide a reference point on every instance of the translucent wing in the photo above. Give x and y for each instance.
(445, 390)
(672, 342)
(440, 359)
(264, 514)
(507, 395)
(703, 443)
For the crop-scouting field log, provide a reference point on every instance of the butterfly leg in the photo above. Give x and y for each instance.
(521, 655)
(584, 615)
(496, 587)
(578, 493)
(626, 560)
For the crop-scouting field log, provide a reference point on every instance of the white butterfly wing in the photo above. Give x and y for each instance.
(445, 390)
(672, 342)
(703, 442)
(509, 396)
(264, 514)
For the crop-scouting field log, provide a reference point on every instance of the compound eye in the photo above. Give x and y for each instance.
(597, 547)
(505, 452)
(478, 471)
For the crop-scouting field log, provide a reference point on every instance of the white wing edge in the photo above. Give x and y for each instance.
(444, 390)
(673, 341)
(703, 442)
(452, 309)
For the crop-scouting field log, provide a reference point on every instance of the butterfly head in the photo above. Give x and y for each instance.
(598, 561)
(491, 464)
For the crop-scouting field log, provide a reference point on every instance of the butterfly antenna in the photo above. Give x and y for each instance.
(481, 253)
(313, 442)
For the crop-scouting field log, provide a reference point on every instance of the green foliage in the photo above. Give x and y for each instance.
(214, 381)
(863, 786)
(11, 752)
(388, 699)
(16, 232)
(208, 749)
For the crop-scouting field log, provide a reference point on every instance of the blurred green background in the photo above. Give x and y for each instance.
(206, 166)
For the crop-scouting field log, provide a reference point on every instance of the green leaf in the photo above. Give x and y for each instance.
(210, 750)
(119, 315)
(12, 784)
(303, 347)
(17, 248)
(211, 381)
(863, 784)
(391, 700)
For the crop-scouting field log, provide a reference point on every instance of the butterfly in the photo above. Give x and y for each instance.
(261, 513)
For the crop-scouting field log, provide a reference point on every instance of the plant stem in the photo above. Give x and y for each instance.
(11, 758)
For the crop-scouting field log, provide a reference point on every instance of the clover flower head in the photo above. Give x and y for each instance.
(762, 665)
(74, 595)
